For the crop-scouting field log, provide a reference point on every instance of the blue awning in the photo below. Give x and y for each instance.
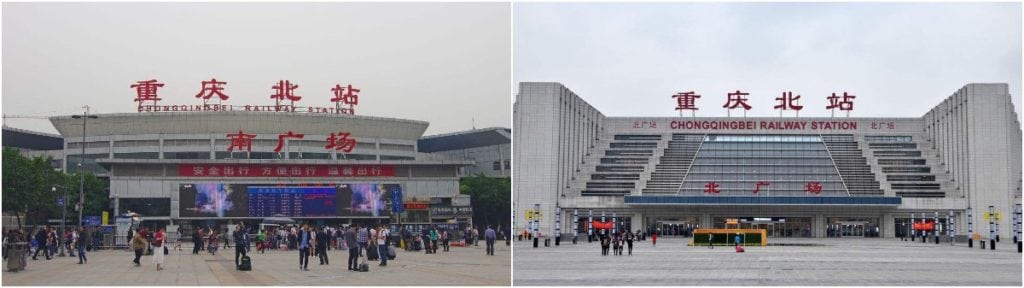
(763, 200)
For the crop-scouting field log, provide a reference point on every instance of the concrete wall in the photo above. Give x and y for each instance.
(484, 157)
(554, 130)
(979, 137)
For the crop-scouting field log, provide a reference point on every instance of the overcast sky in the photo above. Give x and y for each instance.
(442, 63)
(899, 60)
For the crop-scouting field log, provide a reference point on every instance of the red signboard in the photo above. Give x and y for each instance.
(924, 226)
(278, 170)
(602, 225)
(417, 206)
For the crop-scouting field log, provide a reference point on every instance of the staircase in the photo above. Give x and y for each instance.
(673, 164)
(852, 165)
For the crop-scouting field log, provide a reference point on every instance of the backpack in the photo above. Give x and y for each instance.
(245, 264)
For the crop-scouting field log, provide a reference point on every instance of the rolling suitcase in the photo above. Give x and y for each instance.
(391, 253)
(372, 254)
(245, 264)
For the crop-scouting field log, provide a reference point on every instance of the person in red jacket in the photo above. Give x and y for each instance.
(654, 239)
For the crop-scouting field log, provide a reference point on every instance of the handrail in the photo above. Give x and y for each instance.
(688, 168)
(834, 165)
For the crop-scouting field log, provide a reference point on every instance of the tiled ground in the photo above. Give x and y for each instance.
(460, 266)
(846, 261)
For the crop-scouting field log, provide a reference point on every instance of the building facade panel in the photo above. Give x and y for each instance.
(963, 153)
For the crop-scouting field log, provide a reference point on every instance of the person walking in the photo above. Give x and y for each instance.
(69, 241)
(41, 240)
(227, 234)
(212, 242)
(351, 239)
(382, 244)
(158, 248)
(489, 237)
(654, 239)
(617, 244)
(144, 232)
(304, 238)
(433, 239)
(322, 242)
(737, 240)
(444, 239)
(51, 241)
(476, 236)
(261, 241)
(629, 241)
(139, 246)
(177, 239)
(364, 239)
(605, 242)
(197, 241)
(711, 243)
(425, 238)
(82, 239)
(239, 243)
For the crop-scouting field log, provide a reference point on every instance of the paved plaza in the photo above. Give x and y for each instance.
(846, 261)
(460, 266)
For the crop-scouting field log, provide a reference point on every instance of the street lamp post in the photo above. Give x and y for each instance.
(63, 217)
(81, 160)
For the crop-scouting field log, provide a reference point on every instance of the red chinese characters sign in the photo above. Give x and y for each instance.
(146, 96)
(146, 91)
(738, 99)
(280, 170)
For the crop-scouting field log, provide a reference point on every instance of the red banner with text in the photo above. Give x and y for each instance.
(277, 170)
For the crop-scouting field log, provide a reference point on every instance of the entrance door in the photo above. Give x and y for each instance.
(852, 229)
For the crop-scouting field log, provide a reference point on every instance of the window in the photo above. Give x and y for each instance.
(508, 164)
(898, 153)
(910, 177)
(264, 155)
(186, 155)
(628, 152)
(888, 138)
(357, 157)
(137, 155)
(231, 155)
(633, 145)
(906, 170)
(496, 166)
(638, 137)
(901, 161)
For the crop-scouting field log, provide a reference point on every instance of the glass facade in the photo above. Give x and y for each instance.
(893, 139)
(788, 163)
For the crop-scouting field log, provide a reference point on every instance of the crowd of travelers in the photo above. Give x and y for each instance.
(374, 242)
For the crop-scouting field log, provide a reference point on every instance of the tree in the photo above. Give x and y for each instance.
(490, 198)
(28, 188)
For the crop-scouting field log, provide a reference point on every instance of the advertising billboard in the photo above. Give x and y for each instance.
(286, 200)
(212, 200)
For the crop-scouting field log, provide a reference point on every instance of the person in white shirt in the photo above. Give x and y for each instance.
(382, 244)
